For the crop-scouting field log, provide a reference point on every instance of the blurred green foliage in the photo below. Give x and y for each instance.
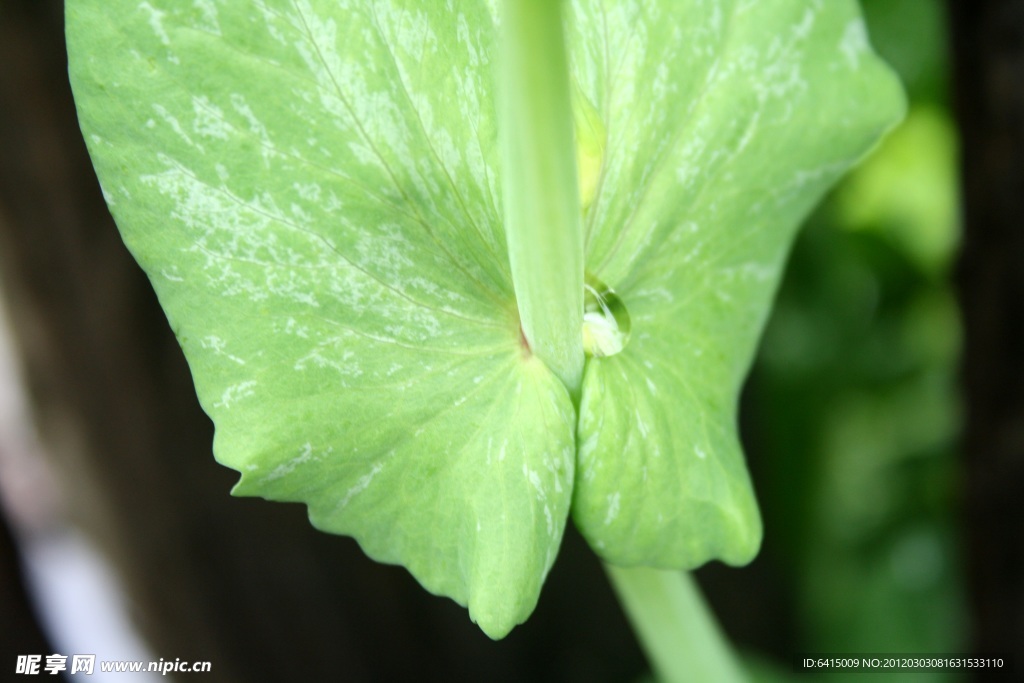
(855, 388)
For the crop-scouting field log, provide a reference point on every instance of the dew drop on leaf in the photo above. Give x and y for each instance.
(606, 322)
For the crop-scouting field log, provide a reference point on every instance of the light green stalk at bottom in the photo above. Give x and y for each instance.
(675, 627)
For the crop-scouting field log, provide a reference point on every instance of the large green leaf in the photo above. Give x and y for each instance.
(726, 121)
(312, 187)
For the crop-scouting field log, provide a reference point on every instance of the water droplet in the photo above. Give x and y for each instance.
(606, 321)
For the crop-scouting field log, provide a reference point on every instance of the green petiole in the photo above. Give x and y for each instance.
(675, 627)
(543, 220)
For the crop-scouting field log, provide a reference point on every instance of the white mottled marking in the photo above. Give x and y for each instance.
(234, 393)
(156, 22)
(306, 455)
(218, 346)
(854, 42)
(362, 484)
(614, 500)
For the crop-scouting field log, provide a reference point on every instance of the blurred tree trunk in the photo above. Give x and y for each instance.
(245, 584)
(988, 39)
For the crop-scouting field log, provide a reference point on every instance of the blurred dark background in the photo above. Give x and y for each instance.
(884, 419)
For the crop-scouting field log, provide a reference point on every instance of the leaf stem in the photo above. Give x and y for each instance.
(676, 629)
(543, 222)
